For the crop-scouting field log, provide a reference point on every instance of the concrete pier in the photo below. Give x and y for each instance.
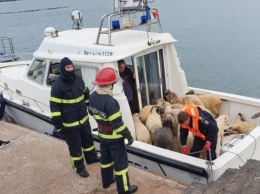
(37, 164)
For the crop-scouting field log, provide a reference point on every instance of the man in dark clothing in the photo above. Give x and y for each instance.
(204, 128)
(68, 104)
(128, 78)
(111, 131)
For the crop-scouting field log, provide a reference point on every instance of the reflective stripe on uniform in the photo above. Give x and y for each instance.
(107, 165)
(55, 114)
(65, 101)
(88, 149)
(76, 123)
(123, 173)
(73, 159)
(114, 135)
(111, 118)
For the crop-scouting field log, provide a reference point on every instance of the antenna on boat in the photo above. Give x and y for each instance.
(76, 17)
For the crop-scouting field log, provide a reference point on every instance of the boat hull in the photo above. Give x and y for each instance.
(175, 165)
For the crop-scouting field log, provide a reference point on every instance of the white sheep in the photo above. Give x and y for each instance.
(212, 102)
(153, 122)
(223, 121)
(241, 126)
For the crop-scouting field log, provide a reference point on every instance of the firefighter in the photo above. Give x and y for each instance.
(203, 127)
(111, 131)
(68, 104)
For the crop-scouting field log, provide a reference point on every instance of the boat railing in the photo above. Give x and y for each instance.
(111, 30)
(7, 47)
(25, 100)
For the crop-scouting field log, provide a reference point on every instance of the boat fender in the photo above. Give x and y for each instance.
(232, 143)
(2, 105)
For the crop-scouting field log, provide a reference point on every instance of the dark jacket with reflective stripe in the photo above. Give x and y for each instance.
(69, 100)
(106, 111)
(207, 126)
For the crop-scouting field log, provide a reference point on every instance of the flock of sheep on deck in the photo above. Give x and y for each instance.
(158, 125)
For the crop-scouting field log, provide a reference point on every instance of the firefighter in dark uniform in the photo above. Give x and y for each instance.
(203, 127)
(68, 104)
(112, 131)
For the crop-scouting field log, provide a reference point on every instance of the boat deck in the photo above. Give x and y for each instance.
(38, 163)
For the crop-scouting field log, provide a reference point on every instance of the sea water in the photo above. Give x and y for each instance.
(218, 40)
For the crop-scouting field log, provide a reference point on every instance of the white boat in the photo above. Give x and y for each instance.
(151, 54)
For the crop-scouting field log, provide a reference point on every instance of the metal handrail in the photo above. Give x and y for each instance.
(109, 19)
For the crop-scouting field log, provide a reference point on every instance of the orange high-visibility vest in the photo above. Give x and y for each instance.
(193, 112)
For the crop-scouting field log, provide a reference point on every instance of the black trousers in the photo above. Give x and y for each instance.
(80, 140)
(114, 157)
(198, 145)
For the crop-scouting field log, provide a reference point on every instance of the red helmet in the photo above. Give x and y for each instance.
(105, 76)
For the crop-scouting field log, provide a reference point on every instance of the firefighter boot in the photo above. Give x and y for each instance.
(132, 189)
(83, 173)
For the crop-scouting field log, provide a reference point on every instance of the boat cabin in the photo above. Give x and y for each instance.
(150, 55)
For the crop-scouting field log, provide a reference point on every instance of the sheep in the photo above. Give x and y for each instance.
(222, 122)
(173, 98)
(160, 102)
(165, 94)
(190, 92)
(256, 115)
(163, 138)
(212, 102)
(144, 113)
(153, 122)
(176, 106)
(192, 99)
(142, 133)
(241, 126)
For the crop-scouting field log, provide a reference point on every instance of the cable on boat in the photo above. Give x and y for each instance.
(162, 169)
(208, 162)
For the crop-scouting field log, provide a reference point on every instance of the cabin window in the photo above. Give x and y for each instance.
(88, 74)
(151, 76)
(37, 71)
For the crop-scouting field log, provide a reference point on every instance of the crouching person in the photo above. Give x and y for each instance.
(111, 131)
(203, 127)
(68, 104)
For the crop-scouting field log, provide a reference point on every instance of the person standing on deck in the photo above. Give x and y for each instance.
(68, 104)
(111, 131)
(128, 78)
(204, 128)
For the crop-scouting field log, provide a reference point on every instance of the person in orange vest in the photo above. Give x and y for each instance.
(203, 127)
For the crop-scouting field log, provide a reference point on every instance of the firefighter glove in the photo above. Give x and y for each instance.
(127, 135)
(57, 122)
(185, 150)
(207, 146)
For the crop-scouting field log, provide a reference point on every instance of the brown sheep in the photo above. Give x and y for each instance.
(212, 102)
(144, 113)
(241, 126)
